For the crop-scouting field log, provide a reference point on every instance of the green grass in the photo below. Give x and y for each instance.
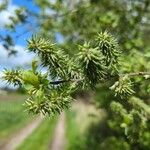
(73, 134)
(41, 136)
(12, 115)
(79, 119)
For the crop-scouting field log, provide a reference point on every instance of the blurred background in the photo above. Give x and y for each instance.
(85, 126)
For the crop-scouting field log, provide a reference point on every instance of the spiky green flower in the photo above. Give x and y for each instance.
(92, 63)
(13, 76)
(123, 87)
(108, 45)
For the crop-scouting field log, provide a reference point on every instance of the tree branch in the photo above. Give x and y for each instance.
(120, 75)
(135, 74)
(64, 81)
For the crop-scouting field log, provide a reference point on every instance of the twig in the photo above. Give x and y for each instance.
(135, 74)
(64, 81)
(121, 75)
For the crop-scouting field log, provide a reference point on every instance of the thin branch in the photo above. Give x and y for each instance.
(135, 74)
(121, 75)
(59, 82)
(64, 81)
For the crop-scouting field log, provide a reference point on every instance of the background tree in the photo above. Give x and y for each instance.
(84, 59)
(9, 25)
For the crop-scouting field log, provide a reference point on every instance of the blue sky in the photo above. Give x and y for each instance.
(20, 42)
(22, 57)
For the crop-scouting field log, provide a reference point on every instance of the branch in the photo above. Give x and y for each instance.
(121, 75)
(135, 74)
(64, 81)
(58, 82)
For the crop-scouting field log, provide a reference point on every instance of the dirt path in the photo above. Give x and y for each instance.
(18, 138)
(58, 142)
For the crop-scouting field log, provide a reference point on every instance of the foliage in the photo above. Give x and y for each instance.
(90, 68)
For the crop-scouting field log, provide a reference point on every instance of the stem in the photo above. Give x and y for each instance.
(136, 74)
(121, 75)
(64, 81)
(58, 82)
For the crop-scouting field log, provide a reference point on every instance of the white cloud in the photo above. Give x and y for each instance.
(21, 58)
(1, 74)
(6, 14)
